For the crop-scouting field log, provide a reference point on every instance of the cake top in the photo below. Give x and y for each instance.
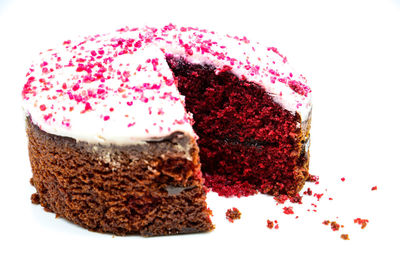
(117, 88)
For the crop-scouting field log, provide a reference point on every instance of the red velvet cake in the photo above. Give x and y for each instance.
(118, 125)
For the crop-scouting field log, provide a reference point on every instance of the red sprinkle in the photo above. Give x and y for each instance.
(106, 118)
(42, 107)
(374, 188)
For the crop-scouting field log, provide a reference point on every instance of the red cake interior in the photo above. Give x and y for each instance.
(247, 142)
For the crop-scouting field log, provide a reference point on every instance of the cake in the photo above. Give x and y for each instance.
(127, 131)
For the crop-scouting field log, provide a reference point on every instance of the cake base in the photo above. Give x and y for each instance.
(151, 188)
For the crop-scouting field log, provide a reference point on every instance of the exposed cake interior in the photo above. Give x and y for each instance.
(248, 143)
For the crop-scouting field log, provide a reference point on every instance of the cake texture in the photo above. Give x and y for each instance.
(118, 124)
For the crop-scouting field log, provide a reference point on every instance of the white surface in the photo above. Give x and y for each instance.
(349, 50)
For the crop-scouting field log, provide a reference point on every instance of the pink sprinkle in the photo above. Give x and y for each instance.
(106, 118)
(160, 111)
(138, 44)
(48, 116)
(93, 53)
(87, 107)
(42, 107)
(168, 82)
(75, 87)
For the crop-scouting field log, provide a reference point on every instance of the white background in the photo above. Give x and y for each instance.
(349, 50)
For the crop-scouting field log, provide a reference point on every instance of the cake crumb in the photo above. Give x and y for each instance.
(288, 210)
(296, 199)
(314, 179)
(272, 224)
(334, 225)
(281, 199)
(344, 236)
(362, 222)
(233, 214)
(308, 192)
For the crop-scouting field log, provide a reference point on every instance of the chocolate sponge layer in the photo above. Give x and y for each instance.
(150, 188)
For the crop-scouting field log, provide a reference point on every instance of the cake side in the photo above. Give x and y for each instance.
(148, 189)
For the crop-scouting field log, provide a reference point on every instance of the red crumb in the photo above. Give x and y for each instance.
(314, 179)
(281, 199)
(272, 224)
(288, 210)
(318, 196)
(344, 236)
(308, 192)
(335, 226)
(374, 188)
(362, 222)
(233, 214)
(296, 199)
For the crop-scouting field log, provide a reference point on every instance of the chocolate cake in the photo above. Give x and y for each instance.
(118, 125)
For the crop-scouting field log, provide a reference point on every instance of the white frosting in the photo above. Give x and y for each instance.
(126, 92)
